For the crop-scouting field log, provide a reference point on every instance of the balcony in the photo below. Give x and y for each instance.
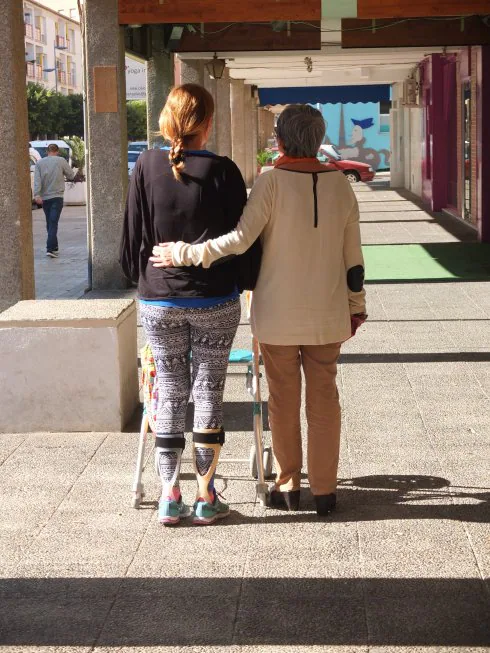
(60, 42)
(31, 73)
(61, 76)
(28, 31)
(39, 72)
(39, 36)
(68, 44)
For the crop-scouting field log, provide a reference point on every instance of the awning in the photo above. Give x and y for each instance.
(324, 94)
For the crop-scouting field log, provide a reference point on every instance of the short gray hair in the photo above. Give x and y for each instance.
(300, 129)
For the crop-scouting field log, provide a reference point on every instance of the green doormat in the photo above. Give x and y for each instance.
(427, 262)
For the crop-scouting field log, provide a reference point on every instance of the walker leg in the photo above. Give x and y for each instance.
(138, 488)
(261, 486)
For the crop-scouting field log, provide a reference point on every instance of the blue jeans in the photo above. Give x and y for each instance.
(52, 211)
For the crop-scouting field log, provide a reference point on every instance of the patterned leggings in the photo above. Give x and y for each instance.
(174, 333)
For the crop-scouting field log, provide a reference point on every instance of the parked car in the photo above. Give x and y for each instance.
(354, 170)
(331, 151)
(42, 148)
(132, 158)
(138, 146)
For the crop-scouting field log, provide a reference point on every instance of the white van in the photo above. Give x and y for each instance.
(42, 148)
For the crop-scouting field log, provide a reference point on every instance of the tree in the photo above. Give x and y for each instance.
(38, 107)
(136, 110)
(74, 115)
(52, 114)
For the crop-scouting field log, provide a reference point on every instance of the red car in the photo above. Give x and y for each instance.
(353, 170)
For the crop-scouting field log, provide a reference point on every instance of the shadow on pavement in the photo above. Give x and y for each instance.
(207, 611)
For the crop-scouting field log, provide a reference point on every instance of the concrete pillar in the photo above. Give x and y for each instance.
(266, 127)
(108, 141)
(159, 80)
(397, 167)
(220, 137)
(249, 164)
(223, 115)
(211, 86)
(255, 134)
(190, 71)
(16, 252)
(237, 102)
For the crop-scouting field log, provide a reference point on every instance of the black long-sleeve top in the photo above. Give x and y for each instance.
(207, 203)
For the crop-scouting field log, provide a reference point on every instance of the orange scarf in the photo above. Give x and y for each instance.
(285, 160)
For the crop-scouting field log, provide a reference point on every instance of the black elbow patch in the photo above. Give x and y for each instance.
(355, 278)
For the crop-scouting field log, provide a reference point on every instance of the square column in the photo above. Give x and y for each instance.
(220, 137)
(107, 141)
(189, 71)
(159, 81)
(16, 252)
(255, 133)
(249, 120)
(237, 103)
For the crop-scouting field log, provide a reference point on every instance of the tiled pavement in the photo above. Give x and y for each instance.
(402, 566)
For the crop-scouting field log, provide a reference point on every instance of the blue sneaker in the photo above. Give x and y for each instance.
(206, 513)
(171, 510)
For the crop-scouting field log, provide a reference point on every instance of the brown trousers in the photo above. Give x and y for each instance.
(283, 370)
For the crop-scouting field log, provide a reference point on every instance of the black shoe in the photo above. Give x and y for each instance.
(325, 504)
(288, 499)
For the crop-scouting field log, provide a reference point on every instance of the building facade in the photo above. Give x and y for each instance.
(53, 48)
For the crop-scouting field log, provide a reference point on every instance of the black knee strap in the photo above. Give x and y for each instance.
(209, 438)
(173, 441)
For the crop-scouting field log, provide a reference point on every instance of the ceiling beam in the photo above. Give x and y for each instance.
(145, 12)
(242, 37)
(414, 8)
(414, 32)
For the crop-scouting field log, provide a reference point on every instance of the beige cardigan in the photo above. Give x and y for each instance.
(301, 297)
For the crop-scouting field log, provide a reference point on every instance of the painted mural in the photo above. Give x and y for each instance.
(359, 132)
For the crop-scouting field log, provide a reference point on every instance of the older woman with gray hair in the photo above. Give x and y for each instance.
(308, 300)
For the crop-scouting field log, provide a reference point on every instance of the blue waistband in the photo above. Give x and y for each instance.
(191, 302)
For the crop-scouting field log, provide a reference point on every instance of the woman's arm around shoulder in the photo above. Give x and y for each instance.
(255, 216)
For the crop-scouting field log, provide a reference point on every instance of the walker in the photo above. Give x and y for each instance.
(260, 457)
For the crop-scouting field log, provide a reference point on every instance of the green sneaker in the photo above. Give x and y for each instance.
(207, 513)
(170, 511)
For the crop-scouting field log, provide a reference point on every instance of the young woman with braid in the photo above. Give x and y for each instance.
(190, 316)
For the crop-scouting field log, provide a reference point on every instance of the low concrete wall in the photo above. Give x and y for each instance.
(68, 365)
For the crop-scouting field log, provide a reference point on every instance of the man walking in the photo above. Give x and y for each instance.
(49, 188)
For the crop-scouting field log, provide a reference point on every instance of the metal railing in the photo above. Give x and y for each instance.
(60, 42)
(28, 30)
(30, 70)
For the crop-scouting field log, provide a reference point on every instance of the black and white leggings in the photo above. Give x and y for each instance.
(174, 334)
